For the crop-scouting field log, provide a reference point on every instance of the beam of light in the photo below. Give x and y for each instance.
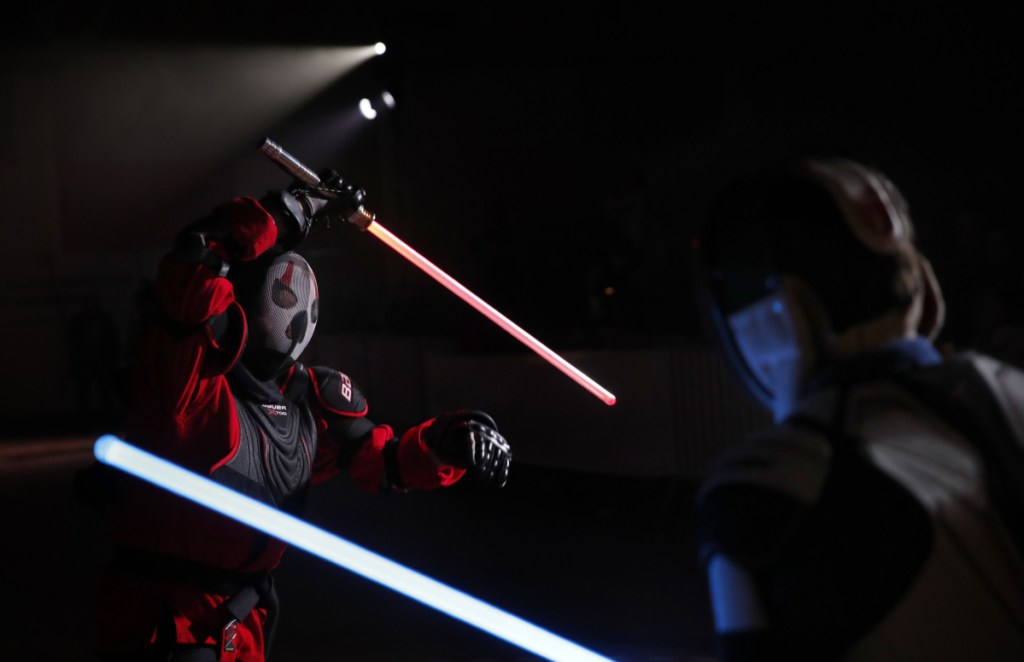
(111, 450)
(250, 86)
(382, 233)
(367, 221)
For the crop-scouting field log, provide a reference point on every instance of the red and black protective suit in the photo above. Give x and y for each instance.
(183, 576)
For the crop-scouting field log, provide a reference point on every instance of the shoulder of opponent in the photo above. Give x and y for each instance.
(1006, 382)
(757, 495)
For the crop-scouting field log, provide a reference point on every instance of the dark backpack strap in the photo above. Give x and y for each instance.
(270, 602)
(247, 591)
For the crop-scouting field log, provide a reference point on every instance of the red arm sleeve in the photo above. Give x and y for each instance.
(368, 466)
(181, 395)
(418, 467)
(375, 458)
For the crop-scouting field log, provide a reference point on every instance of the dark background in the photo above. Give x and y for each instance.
(539, 154)
(542, 155)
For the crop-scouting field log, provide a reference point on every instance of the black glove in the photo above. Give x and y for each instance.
(469, 439)
(293, 212)
(339, 200)
(297, 209)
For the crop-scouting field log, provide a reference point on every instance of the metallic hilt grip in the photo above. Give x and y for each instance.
(292, 165)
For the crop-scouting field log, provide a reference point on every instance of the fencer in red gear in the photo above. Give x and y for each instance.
(218, 389)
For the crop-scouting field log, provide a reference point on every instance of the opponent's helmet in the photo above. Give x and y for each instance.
(802, 265)
(281, 301)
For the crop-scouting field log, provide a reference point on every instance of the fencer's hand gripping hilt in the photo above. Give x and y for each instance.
(469, 439)
(343, 199)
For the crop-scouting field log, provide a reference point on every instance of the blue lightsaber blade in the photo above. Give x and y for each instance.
(113, 451)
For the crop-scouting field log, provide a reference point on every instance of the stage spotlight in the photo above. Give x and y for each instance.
(373, 106)
(379, 48)
(367, 109)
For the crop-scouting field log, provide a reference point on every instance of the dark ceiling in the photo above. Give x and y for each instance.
(597, 116)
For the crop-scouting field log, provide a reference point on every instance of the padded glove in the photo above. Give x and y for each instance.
(469, 439)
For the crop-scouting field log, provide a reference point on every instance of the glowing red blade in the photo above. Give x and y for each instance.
(382, 233)
(365, 220)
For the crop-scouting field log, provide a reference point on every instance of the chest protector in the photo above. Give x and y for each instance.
(273, 463)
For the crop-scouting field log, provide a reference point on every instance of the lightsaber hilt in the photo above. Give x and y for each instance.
(361, 217)
(291, 165)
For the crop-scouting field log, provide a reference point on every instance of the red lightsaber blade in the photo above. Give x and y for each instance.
(367, 221)
(377, 230)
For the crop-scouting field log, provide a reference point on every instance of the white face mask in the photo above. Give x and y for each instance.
(773, 338)
(285, 317)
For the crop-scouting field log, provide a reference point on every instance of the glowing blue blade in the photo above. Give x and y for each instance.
(122, 455)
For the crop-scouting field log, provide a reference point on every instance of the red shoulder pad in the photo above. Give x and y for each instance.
(336, 393)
